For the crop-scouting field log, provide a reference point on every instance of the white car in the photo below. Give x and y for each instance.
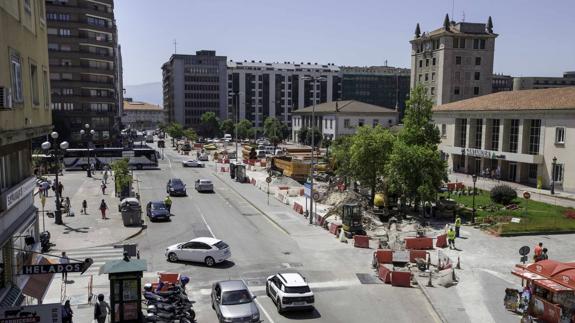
(204, 185)
(289, 291)
(193, 163)
(210, 251)
(203, 157)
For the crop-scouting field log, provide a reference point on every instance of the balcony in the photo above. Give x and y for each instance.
(83, 98)
(109, 27)
(82, 38)
(83, 83)
(81, 54)
(82, 70)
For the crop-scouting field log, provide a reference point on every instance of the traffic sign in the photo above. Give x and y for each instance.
(72, 267)
(268, 179)
(526, 195)
(523, 251)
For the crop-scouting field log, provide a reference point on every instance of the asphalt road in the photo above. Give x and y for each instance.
(260, 247)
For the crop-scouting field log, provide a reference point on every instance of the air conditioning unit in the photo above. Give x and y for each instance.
(5, 98)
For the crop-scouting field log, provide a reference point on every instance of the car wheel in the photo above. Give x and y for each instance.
(172, 257)
(268, 290)
(209, 261)
(279, 305)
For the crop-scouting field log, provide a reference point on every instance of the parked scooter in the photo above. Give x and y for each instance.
(45, 241)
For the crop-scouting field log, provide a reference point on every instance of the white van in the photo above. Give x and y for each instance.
(227, 137)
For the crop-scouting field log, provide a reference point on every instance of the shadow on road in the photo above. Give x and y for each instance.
(69, 229)
(226, 264)
(303, 315)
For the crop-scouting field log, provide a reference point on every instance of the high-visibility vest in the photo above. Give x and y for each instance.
(451, 234)
(458, 222)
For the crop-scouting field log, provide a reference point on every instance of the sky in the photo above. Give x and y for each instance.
(535, 37)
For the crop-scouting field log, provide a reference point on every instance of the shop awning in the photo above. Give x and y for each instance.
(526, 274)
(37, 285)
(544, 267)
(552, 286)
(565, 277)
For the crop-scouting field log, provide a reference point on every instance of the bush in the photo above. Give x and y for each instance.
(503, 194)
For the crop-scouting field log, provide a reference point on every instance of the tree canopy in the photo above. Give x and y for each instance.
(175, 130)
(245, 130)
(273, 130)
(210, 125)
(227, 127)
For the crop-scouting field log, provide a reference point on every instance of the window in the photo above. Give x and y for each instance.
(433, 61)
(375, 122)
(476, 90)
(65, 47)
(514, 135)
(28, 6)
(433, 76)
(346, 123)
(420, 63)
(64, 32)
(46, 84)
(331, 124)
(456, 90)
(35, 91)
(427, 62)
(495, 134)
(455, 42)
(419, 77)
(52, 31)
(477, 60)
(360, 122)
(557, 173)
(427, 76)
(432, 91)
(444, 130)
(559, 135)
(482, 44)
(477, 76)
(16, 73)
(66, 76)
(532, 173)
(476, 43)
(534, 134)
(457, 60)
(478, 133)
(457, 76)
(462, 131)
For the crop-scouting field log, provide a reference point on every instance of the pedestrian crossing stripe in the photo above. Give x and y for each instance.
(100, 255)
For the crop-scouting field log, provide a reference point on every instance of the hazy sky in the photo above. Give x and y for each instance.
(536, 38)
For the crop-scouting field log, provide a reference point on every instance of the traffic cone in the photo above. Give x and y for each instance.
(342, 237)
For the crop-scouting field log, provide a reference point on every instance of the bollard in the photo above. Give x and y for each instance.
(429, 284)
(458, 264)
(453, 277)
(429, 262)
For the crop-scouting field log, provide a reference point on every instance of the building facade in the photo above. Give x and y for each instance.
(341, 118)
(501, 82)
(278, 89)
(84, 69)
(142, 115)
(540, 82)
(454, 62)
(378, 85)
(513, 135)
(24, 115)
(194, 85)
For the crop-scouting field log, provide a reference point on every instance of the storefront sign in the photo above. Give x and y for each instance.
(16, 194)
(473, 152)
(46, 313)
(73, 267)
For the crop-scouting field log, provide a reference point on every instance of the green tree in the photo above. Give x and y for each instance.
(418, 127)
(190, 134)
(210, 125)
(303, 135)
(175, 130)
(228, 127)
(122, 177)
(316, 133)
(340, 148)
(273, 130)
(245, 130)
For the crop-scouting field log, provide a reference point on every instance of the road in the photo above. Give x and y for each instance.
(260, 248)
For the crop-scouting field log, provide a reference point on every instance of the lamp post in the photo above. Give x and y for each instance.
(55, 152)
(554, 164)
(235, 104)
(88, 140)
(315, 79)
(474, 177)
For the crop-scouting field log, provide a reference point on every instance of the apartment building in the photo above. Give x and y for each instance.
(454, 62)
(194, 85)
(84, 69)
(524, 136)
(542, 82)
(24, 115)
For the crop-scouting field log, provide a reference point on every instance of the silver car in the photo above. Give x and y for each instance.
(204, 185)
(233, 302)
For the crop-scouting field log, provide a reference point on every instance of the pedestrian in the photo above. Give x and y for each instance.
(168, 203)
(537, 251)
(451, 238)
(103, 186)
(67, 312)
(101, 309)
(103, 208)
(67, 205)
(105, 176)
(91, 168)
(457, 225)
(544, 255)
(64, 260)
(60, 188)
(84, 206)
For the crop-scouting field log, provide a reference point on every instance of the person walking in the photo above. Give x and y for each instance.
(544, 255)
(451, 238)
(168, 203)
(67, 205)
(457, 225)
(84, 206)
(60, 188)
(103, 187)
(45, 188)
(537, 251)
(101, 309)
(67, 312)
(64, 260)
(103, 208)
(105, 176)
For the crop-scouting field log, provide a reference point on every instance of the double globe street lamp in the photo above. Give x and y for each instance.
(88, 140)
(56, 152)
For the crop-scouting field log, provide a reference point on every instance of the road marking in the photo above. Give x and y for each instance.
(205, 222)
(264, 311)
(314, 286)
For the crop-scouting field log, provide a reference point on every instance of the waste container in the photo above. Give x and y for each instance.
(131, 211)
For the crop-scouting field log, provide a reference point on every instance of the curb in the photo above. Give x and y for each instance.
(437, 312)
(518, 234)
(255, 206)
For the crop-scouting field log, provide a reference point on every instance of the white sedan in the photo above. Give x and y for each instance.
(204, 185)
(210, 251)
(193, 163)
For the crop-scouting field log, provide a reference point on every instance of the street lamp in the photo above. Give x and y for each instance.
(554, 164)
(235, 106)
(315, 79)
(88, 140)
(474, 177)
(55, 152)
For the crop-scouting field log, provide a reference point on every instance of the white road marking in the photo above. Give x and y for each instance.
(317, 286)
(264, 311)
(205, 222)
(169, 161)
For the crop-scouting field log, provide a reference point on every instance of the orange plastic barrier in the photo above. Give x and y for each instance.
(413, 254)
(223, 169)
(360, 241)
(455, 186)
(441, 241)
(383, 256)
(334, 228)
(168, 277)
(418, 243)
(298, 208)
(384, 274)
(401, 278)
(263, 163)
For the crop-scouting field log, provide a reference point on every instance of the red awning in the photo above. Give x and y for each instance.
(552, 286)
(525, 274)
(37, 285)
(544, 267)
(565, 277)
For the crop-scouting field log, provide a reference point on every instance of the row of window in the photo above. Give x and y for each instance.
(458, 60)
(457, 90)
(201, 87)
(201, 104)
(202, 96)
(459, 42)
(17, 80)
(206, 79)
(15, 166)
(58, 16)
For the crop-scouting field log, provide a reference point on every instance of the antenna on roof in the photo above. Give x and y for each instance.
(452, 7)
(175, 46)
(463, 16)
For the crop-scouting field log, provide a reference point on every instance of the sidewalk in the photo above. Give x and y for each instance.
(560, 198)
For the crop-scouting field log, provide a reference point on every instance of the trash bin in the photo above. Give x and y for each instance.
(131, 211)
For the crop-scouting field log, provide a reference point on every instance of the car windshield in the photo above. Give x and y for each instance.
(221, 245)
(236, 297)
(177, 182)
(158, 206)
(297, 289)
(205, 181)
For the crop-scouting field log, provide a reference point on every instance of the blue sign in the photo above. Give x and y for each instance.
(307, 189)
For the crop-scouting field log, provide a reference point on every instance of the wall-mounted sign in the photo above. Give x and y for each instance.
(473, 152)
(16, 194)
(48, 313)
(73, 267)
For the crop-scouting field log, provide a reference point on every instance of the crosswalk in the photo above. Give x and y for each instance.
(100, 255)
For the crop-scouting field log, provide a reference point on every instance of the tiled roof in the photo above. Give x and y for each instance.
(136, 105)
(544, 99)
(347, 107)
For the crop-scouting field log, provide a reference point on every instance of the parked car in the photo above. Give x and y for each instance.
(204, 185)
(176, 187)
(233, 302)
(289, 291)
(207, 250)
(156, 210)
(203, 157)
(193, 163)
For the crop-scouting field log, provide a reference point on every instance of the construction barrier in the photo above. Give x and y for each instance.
(298, 208)
(360, 241)
(223, 169)
(334, 228)
(401, 278)
(293, 192)
(413, 254)
(418, 243)
(383, 256)
(283, 187)
(441, 241)
(253, 181)
(384, 274)
(301, 192)
(263, 163)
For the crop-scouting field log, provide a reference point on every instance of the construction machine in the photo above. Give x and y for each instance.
(351, 220)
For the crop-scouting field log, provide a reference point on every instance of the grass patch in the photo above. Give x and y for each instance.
(535, 216)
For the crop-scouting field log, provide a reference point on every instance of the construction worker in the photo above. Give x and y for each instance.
(451, 238)
(457, 225)
(168, 203)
